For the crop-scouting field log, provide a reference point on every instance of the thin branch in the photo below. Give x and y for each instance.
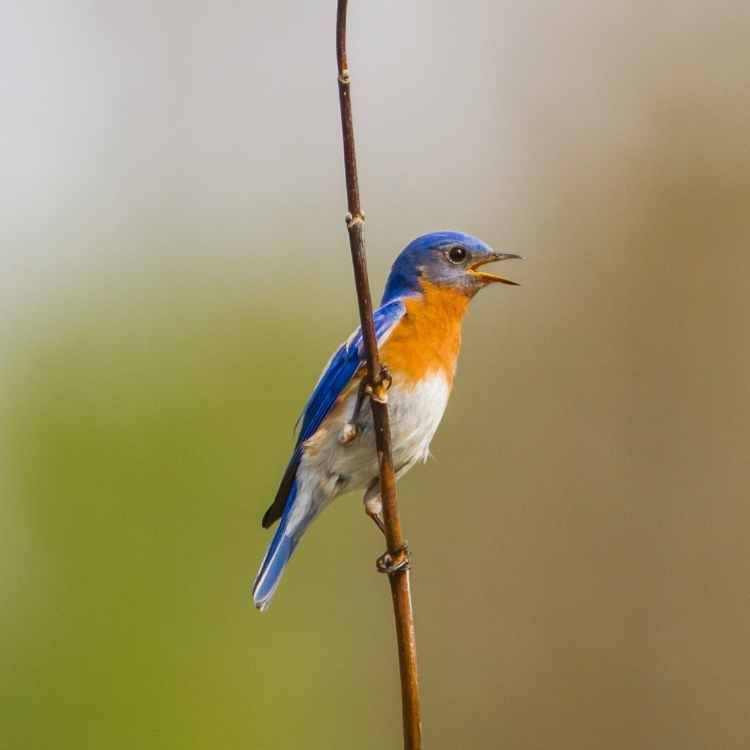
(377, 380)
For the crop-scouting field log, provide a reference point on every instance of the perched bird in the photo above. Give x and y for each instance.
(418, 327)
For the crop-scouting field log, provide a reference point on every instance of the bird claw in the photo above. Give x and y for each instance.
(380, 392)
(386, 379)
(393, 563)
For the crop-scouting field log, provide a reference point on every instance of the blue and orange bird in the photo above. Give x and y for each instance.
(418, 327)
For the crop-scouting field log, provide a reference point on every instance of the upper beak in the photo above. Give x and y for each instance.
(490, 278)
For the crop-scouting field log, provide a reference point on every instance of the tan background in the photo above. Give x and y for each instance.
(175, 272)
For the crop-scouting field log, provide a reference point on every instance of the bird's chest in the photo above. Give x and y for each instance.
(343, 450)
(415, 410)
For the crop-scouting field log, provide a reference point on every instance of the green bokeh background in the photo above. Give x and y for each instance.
(175, 273)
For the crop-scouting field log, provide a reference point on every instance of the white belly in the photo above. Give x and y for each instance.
(330, 467)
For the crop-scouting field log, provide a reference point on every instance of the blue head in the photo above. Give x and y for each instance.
(446, 259)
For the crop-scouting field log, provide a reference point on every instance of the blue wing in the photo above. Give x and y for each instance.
(335, 378)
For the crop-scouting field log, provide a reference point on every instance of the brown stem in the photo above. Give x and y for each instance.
(399, 580)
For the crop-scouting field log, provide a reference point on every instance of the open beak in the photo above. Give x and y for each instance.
(491, 278)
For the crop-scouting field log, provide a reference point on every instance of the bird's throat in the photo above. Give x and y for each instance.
(427, 340)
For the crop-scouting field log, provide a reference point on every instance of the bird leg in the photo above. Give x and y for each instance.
(373, 504)
(351, 429)
(387, 563)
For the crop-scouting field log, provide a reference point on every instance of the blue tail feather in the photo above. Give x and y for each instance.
(279, 551)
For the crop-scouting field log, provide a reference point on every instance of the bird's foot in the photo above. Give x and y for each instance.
(393, 563)
(379, 392)
(386, 379)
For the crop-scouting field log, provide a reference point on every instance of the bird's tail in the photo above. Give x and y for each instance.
(277, 556)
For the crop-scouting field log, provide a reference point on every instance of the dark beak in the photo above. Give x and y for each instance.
(491, 278)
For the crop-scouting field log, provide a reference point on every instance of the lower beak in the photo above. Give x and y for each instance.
(491, 278)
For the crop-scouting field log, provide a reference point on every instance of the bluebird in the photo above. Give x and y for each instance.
(418, 328)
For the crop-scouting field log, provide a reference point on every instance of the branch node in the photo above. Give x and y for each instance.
(344, 77)
(358, 218)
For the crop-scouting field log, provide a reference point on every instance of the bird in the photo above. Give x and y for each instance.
(418, 328)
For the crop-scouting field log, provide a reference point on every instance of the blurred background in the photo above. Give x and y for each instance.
(175, 272)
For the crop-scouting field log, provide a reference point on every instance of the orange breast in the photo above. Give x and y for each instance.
(428, 337)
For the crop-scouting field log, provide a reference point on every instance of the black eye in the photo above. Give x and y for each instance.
(457, 254)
